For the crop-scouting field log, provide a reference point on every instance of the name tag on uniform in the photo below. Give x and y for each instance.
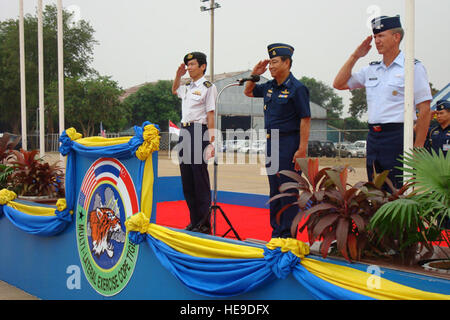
(373, 78)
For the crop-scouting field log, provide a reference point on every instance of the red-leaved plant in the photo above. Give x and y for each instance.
(34, 177)
(332, 209)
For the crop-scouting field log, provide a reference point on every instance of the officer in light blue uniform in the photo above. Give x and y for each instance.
(286, 116)
(384, 82)
(438, 137)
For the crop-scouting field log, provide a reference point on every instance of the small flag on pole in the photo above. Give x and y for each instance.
(102, 131)
(173, 128)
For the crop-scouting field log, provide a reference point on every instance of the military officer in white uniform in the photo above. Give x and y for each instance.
(196, 137)
(385, 90)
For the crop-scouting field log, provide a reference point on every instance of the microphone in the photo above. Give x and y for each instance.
(253, 78)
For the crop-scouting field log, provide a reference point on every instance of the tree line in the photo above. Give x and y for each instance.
(91, 98)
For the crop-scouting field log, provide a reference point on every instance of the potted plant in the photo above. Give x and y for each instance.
(411, 224)
(333, 209)
(34, 178)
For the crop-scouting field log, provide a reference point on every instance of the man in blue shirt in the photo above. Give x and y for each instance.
(385, 90)
(287, 118)
(438, 137)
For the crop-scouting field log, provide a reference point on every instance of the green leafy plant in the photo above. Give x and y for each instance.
(333, 209)
(5, 172)
(32, 176)
(409, 224)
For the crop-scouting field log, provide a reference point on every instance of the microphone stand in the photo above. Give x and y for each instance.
(214, 207)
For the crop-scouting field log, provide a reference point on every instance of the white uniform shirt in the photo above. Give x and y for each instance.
(197, 100)
(385, 89)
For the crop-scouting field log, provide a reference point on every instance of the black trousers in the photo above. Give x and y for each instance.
(194, 172)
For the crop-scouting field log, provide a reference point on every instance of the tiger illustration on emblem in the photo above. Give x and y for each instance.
(104, 224)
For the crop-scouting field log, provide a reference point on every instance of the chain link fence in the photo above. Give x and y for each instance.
(336, 136)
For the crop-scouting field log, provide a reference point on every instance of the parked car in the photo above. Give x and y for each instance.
(328, 149)
(243, 146)
(343, 152)
(314, 148)
(258, 146)
(360, 146)
(235, 145)
(353, 150)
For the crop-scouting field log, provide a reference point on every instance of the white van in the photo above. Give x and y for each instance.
(360, 146)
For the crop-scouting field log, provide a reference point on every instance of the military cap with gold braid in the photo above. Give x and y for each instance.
(199, 56)
(280, 49)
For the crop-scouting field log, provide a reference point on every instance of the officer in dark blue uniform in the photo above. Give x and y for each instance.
(287, 119)
(438, 137)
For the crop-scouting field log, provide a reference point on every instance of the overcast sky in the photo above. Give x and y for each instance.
(144, 40)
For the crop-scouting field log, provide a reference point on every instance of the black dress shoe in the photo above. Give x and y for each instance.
(202, 229)
(189, 227)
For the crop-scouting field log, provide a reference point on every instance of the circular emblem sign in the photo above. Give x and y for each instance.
(107, 198)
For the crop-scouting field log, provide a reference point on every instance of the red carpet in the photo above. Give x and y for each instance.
(248, 222)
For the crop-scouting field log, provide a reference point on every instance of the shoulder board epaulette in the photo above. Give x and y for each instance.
(207, 84)
(373, 63)
(416, 61)
(188, 82)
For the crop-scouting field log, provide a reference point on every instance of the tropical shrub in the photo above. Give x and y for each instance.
(32, 176)
(408, 225)
(331, 209)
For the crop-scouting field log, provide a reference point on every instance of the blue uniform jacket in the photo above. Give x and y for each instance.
(284, 105)
(437, 138)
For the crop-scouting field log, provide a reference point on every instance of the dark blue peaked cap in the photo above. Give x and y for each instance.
(384, 23)
(280, 49)
(442, 104)
(199, 56)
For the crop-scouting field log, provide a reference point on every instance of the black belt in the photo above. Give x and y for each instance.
(379, 127)
(188, 124)
(284, 134)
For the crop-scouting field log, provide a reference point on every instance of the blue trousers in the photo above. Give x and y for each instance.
(383, 151)
(287, 147)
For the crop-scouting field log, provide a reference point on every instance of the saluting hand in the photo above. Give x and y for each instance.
(260, 67)
(181, 70)
(363, 48)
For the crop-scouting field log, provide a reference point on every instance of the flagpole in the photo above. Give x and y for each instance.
(170, 137)
(409, 76)
(41, 82)
(60, 69)
(23, 98)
